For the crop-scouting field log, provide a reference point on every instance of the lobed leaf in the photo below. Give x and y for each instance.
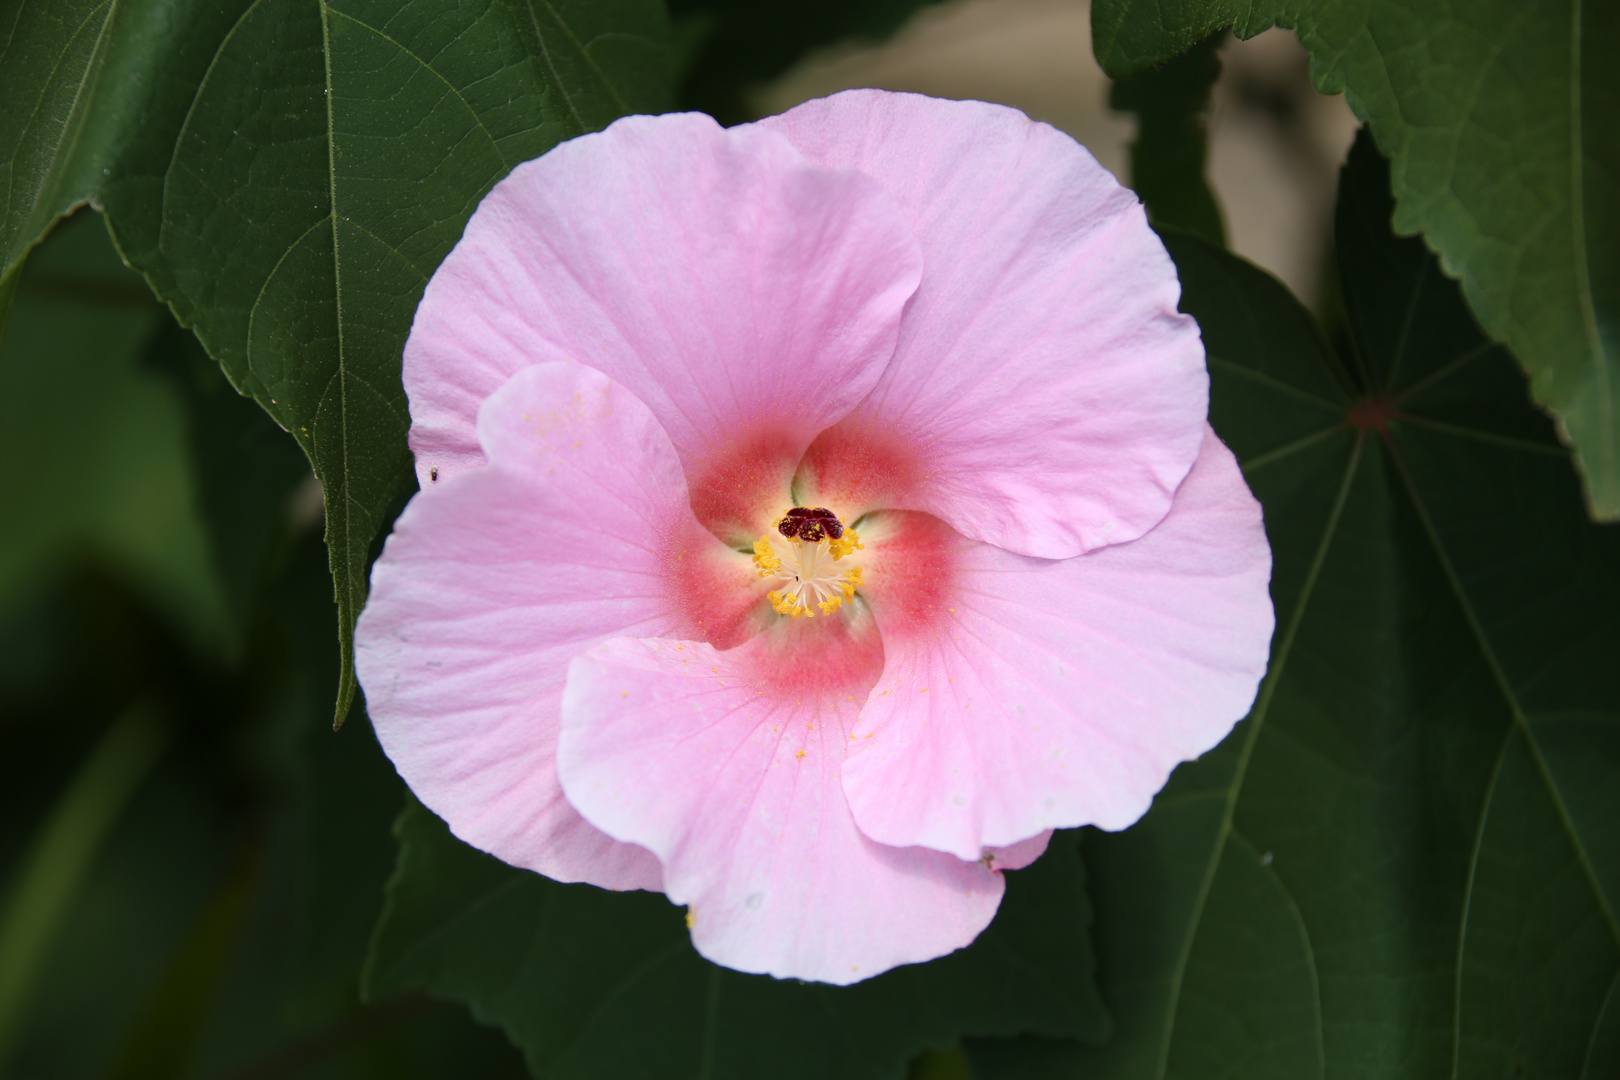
(1498, 116)
(288, 173)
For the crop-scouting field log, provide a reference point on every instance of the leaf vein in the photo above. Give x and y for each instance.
(1256, 722)
(1510, 696)
(476, 118)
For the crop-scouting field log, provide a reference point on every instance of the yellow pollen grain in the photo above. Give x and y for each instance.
(800, 754)
(691, 917)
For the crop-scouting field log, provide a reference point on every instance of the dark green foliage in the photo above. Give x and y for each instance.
(599, 984)
(1171, 104)
(288, 173)
(1499, 118)
(1406, 861)
(733, 46)
(1404, 864)
(208, 858)
(94, 443)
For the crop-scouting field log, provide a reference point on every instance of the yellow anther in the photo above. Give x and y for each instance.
(765, 558)
(788, 605)
(850, 541)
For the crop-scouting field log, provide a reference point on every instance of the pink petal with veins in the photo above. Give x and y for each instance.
(1045, 395)
(748, 297)
(726, 765)
(492, 581)
(1024, 694)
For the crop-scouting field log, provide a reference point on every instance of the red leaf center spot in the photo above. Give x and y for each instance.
(1372, 414)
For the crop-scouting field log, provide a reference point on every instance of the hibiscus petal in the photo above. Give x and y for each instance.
(675, 746)
(1022, 694)
(491, 582)
(1019, 855)
(1045, 395)
(748, 297)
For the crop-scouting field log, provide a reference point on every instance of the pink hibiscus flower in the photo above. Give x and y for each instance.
(815, 514)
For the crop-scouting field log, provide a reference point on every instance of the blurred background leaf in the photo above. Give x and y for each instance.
(1406, 861)
(598, 984)
(99, 464)
(1499, 118)
(54, 866)
(191, 862)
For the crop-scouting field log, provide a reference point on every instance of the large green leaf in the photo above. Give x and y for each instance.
(288, 173)
(1406, 861)
(598, 984)
(1499, 117)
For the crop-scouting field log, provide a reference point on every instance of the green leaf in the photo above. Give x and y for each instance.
(1171, 104)
(288, 173)
(1406, 861)
(1499, 118)
(1130, 38)
(599, 984)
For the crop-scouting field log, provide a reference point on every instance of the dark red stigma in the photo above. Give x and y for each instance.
(810, 524)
